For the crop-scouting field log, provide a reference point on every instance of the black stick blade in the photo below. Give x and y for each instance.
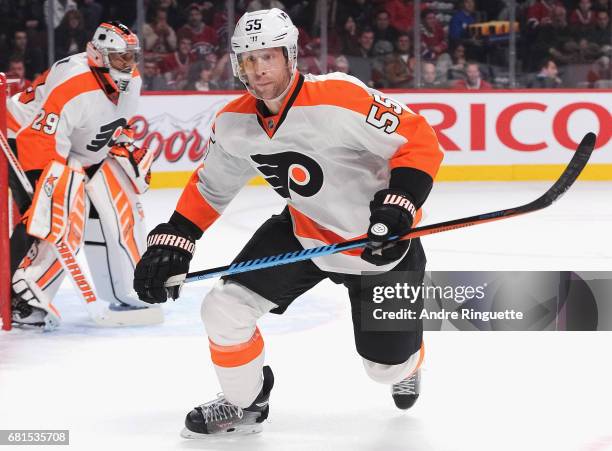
(572, 171)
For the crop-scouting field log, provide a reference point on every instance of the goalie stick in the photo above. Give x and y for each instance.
(565, 180)
(102, 315)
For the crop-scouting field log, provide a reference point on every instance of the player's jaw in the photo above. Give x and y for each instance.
(271, 84)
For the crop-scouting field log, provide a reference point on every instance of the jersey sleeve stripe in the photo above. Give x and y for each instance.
(194, 207)
(40, 147)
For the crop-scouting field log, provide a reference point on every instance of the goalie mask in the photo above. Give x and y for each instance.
(255, 35)
(114, 48)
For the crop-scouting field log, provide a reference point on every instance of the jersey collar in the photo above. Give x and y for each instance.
(271, 122)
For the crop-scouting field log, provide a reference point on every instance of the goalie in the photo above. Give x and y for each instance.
(69, 131)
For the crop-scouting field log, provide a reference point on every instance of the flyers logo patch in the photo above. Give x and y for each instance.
(290, 171)
(106, 135)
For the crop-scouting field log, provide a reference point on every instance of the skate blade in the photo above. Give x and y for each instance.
(238, 431)
(47, 324)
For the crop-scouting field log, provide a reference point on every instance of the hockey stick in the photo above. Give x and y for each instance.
(565, 180)
(99, 313)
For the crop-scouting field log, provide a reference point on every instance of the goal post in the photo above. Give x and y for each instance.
(5, 203)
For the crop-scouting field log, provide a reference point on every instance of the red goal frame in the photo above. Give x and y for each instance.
(5, 204)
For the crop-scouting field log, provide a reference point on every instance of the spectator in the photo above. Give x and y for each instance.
(158, 36)
(541, 13)
(366, 42)
(383, 30)
(360, 10)
(35, 27)
(433, 38)
(553, 39)
(61, 7)
(600, 34)
(172, 13)
(548, 77)
(582, 17)
(458, 26)
(451, 67)
(256, 5)
(32, 56)
(70, 36)
(223, 74)
(602, 5)
(204, 38)
(383, 55)
(430, 77)
(600, 70)
(16, 71)
(204, 82)
(360, 61)
(399, 69)
(349, 38)
(401, 13)
(91, 11)
(473, 79)
(175, 66)
(312, 63)
(151, 80)
(342, 64)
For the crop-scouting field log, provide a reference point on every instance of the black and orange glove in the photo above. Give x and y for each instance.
(392, 214)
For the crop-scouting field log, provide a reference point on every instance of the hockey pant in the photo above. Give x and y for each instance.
(230, 312)
(114, 240)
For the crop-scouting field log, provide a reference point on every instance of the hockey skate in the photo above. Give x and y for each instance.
(32, 313)
(30, 305)
(220, 418)
(406, 392)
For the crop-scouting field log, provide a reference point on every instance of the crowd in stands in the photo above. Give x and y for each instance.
(464, 44)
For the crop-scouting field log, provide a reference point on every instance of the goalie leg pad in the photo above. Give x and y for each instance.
(59, 194)
(35, 283)
(115, 236)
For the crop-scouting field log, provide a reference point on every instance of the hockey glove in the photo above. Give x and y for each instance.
(392, 213)
(162, 269)
(136, 163)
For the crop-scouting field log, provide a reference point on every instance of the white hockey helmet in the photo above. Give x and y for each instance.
(264, 29)
(114, 47)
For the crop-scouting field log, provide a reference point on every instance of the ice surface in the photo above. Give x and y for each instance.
(129, 388)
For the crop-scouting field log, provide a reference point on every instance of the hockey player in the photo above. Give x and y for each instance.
(71, 126)
(347, 160)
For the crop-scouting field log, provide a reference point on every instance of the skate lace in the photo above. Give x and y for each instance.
(407, 386)
(220, 409)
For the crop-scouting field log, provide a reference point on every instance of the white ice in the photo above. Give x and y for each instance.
(129, 388)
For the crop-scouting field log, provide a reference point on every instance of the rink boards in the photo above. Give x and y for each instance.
(486, 135)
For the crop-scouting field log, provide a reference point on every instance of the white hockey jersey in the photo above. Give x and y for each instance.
(331, 147)
(70, 110)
